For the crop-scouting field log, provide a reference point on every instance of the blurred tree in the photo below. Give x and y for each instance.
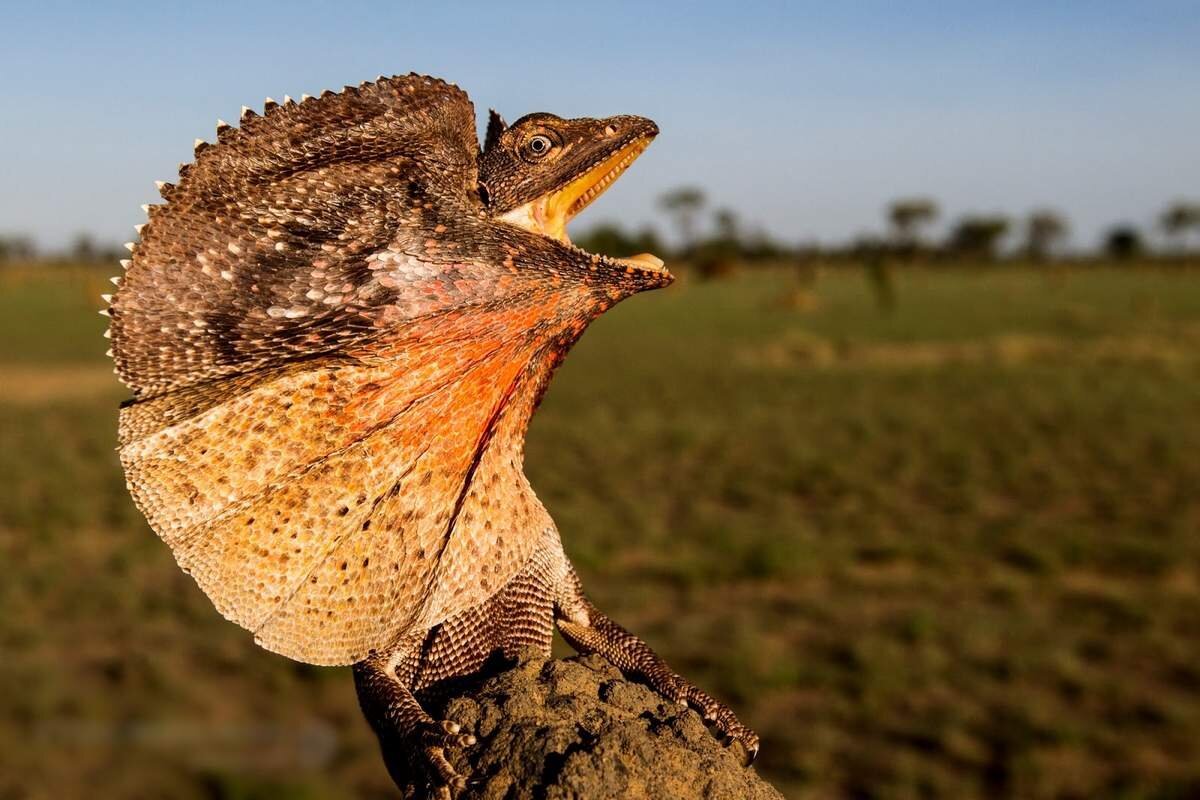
(1123, 242)
(647, 240)
(978, 236)
(1177, 219)
(720, 255)
(726, 222)
(872, 253)
(83, 249)
(612, 240)
(17, 247)
(909, 214)
(759, 246)
(684, 204)
(1043, 230)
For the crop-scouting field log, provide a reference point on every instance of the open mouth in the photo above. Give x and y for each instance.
(549, 214)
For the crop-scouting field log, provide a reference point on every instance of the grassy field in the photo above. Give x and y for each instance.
(946, 551)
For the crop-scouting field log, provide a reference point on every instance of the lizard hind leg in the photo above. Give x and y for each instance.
(411, 740)
(588, 630)
(399, 687)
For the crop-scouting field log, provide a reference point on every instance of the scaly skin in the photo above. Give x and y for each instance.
(336, 330)
(425, 669)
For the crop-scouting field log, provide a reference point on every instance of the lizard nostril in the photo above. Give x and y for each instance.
(609, 130)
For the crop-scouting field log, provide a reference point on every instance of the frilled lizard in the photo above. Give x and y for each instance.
(335, 330)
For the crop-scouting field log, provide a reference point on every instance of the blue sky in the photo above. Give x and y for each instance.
(804, 118)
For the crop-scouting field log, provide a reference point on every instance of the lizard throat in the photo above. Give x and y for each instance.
(549, 214)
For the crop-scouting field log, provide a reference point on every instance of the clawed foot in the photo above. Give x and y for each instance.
(717, 714)
(588, 630)
(435, 737)
(414, 744)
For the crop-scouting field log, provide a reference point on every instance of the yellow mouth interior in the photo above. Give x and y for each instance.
(549, 214)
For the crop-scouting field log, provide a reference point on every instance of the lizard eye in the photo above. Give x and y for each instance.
(537, 146)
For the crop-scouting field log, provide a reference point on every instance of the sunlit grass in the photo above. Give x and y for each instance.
(944, 551)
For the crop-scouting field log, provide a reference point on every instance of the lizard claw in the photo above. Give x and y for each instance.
(445, 734)
(722, 718)
(435, 738)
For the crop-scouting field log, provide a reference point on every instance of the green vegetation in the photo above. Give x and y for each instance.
(945, 551)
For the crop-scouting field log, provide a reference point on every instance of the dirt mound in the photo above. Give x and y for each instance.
(575, 728)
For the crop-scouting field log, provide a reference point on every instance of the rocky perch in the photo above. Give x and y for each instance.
(576, 728)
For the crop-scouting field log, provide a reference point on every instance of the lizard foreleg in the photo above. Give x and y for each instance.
(588, 630)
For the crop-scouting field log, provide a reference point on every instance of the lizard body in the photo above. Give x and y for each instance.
(336, 330)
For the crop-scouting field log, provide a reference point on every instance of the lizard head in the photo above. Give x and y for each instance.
(543, 170)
